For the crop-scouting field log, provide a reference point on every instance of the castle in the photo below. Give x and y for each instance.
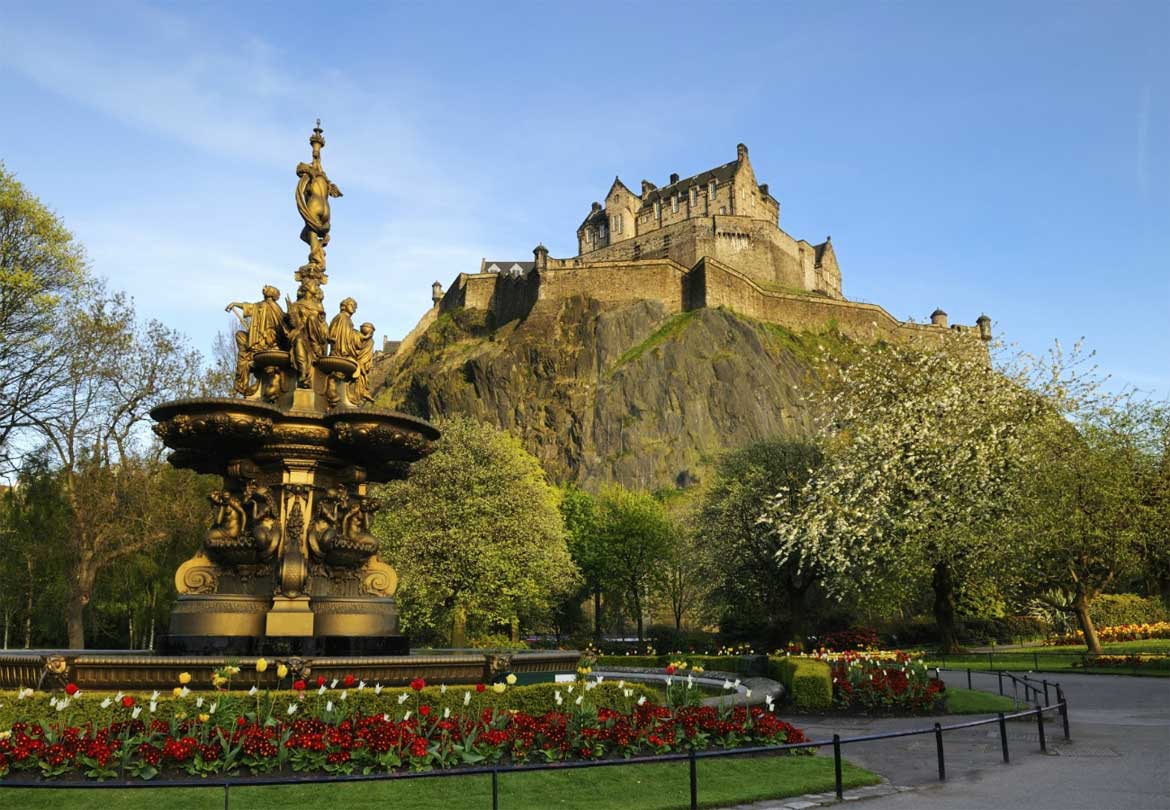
(709, 240)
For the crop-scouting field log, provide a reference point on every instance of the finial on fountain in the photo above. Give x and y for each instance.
(313, 192)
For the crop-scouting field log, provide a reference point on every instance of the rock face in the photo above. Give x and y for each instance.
(603, 393)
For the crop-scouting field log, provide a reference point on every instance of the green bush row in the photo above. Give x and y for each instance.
(809, 683)
(1127, 608)
(721, 663)
(535, 699)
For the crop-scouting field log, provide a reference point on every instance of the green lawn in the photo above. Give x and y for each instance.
(663, 786)
(1055, 659)
(972, 701)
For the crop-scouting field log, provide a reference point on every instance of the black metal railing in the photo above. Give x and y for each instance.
(692, 757)
(1050, 659)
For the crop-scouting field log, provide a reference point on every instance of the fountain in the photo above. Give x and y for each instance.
(289, 568)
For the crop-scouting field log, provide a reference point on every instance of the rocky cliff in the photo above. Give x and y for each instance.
(625, 393)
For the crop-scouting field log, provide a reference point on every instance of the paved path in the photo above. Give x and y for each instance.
(1119, 756)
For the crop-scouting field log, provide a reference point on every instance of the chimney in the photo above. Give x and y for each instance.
(436, 293)
(674, 177)
(740, 152)
(647, 187)
(596, 206)
(540, 253)
(764, 189)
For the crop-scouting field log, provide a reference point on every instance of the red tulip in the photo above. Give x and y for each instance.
(418, 684)
(424, 710)
(127, 701)
(320, 680)
(299, 685)
(349, 681)
(479, 687)
(71, 689)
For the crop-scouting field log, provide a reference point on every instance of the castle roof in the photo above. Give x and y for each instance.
(720, 174)
(819, 251)
(515, 268)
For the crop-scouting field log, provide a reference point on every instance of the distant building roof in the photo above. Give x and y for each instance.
(506, 267)
(720, 174)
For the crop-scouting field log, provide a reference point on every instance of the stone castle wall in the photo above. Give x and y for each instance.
(710, 283)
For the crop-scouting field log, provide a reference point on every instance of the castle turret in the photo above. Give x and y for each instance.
(741, 152)
(540, 253)
(938, 318)
(984, 324)
(436, 293)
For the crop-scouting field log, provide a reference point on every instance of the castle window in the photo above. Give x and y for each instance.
(666, 242)
(637, 251)
(601, 233)
(711, 190)
(674, 203)
(657, 210)
(694, 195)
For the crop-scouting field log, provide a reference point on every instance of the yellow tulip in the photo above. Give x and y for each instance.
(498, 688)
(184, 678)
(511, 679)
(177, 691)
(281, 671)
(203, 718)
(261, 664)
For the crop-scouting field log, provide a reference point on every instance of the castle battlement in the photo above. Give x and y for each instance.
(709, 240)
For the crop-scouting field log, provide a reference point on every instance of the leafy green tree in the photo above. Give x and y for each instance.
(475, 531)
(635, 536)
(744, 549)
(41, 265)
(1078, 520)
(686, 583)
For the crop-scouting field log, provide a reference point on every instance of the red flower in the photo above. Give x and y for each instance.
(479, 687)
(71, 689)
(127, 701)
(299, 685)
(418, 684)
(670, 669)
(424, 710)
(241, 721)
(320, 680)
(349, 681)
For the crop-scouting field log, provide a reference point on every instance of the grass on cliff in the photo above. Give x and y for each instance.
(670, 329)
(661, 786)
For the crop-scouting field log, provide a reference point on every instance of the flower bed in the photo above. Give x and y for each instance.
(1132, 661)
(882, 680)
(323, 730)
(1118, 632)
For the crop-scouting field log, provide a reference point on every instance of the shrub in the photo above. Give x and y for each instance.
(1126, 608)
(808, 682)
(860, 638)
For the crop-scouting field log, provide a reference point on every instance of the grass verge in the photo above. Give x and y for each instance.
(1057, 659)
(661, 786)
(972, 701)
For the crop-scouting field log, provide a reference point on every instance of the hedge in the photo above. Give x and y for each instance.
(721, 663)
(535, 700)
(1127, 608)
(809, 682)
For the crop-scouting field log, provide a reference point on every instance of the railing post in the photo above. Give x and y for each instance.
(1040, 729)
(694, 782)
(1063, 710)
(1000, 674)
(968, 677)
(495, 789)
(837, 766)
(226, 799)
(942, 765)
(1046, 703)
(1003, 736)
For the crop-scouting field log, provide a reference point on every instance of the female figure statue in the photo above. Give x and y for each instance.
(313, 192)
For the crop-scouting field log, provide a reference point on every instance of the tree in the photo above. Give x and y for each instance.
(116, 370)
(744, 549)
(635, 537)
(1080, 516)
(579, 510)
(686, 582)
(922, 446)
(475, 531)
(40, 267)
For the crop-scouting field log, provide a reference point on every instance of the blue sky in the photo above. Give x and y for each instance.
(1008, 157)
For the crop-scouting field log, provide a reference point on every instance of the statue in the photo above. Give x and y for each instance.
(344, 340)
(365, 361)
(225, 540)
(265, 527)
(313, 192)
(263, 324)
(326, 521)
(307, 335)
